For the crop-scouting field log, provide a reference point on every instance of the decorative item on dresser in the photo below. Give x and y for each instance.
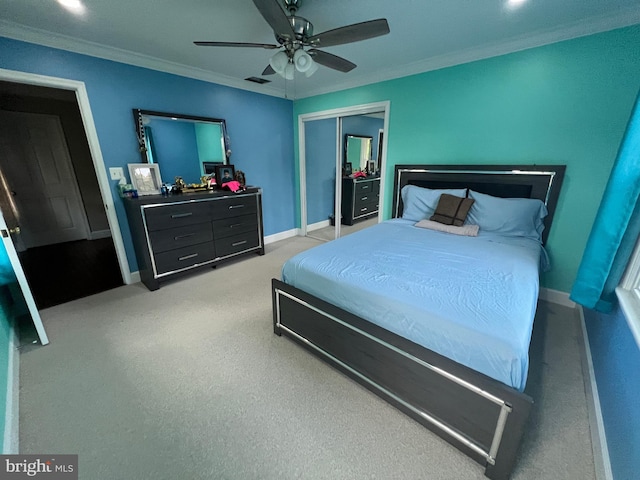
(360, 198)
(176, 234)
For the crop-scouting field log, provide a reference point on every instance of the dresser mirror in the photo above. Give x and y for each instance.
(357, 151)
(181, 145)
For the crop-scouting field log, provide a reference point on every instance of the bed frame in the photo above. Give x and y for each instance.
(480, 416)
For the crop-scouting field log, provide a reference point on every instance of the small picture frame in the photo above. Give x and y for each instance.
(371, 167)
(348, 169)
(145, 178)
(224, 174)
(210, 167)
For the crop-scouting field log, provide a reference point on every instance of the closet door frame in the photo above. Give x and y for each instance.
(338, 113)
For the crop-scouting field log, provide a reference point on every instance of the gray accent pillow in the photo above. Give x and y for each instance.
(452, 210)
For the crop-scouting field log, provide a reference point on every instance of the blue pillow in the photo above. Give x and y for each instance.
(512, 217)
(420, 203)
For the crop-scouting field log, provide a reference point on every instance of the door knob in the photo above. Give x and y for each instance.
(15, 230)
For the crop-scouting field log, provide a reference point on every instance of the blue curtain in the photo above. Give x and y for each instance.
(616, 227)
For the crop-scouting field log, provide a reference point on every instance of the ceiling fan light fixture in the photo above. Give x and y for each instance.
(279, 62)
(312, 69)
(289, 70)
(302, 60)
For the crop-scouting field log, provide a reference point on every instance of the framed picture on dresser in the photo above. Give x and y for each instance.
(225, 173)
(145, 177)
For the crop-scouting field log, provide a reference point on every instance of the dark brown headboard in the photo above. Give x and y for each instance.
(507, 181)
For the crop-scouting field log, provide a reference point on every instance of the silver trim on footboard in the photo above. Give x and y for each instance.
(505, 409)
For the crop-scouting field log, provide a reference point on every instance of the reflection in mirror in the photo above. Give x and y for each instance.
(320, 177)
(181, 145)
(357, 152)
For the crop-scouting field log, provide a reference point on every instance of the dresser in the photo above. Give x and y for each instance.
(360, 198)
(177, 234)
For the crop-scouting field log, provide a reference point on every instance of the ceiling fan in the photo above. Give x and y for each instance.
(297, 44)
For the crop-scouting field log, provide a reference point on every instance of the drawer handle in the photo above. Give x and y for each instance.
(236, 206)
(364, 198)
(187, 257)
(365, 186)
(184, 236)
(181, 215)
(238, 243)
(364, 209)
(235, 225)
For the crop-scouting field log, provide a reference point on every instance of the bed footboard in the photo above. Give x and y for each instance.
(480, 416)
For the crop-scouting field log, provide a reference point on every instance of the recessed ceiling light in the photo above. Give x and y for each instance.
(513, 4)
(74, 6)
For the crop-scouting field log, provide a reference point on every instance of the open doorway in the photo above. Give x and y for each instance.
(49, 189)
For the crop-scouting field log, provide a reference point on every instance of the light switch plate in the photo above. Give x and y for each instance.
(116, 173)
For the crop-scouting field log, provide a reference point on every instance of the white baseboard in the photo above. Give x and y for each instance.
(10, 445)
(556, 296)
(135, 277)
(602, 462)
(294, 232)
(318, 225)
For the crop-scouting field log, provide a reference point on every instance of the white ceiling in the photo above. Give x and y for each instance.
(425, 35)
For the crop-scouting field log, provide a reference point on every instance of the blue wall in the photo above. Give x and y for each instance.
(616, 363)
(260, 127)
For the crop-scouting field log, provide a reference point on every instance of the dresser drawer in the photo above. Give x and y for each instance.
(237, 243)
(235, 226)
(172, 238)
(184, 257)
(364, 209)
(365, 199)
(170, 216)
(365, 187)
(234, 206)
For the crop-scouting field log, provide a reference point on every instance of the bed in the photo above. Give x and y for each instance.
(438, 325)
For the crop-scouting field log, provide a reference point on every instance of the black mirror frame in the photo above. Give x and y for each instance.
(137, 118)
(346, 136)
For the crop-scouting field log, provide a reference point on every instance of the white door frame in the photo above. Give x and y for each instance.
(338, 113)
(94, 146)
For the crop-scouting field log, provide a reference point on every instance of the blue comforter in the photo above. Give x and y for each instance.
(471, 299)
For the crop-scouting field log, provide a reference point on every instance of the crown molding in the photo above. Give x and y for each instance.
(84, 47)
(592, 26)
(625, 18)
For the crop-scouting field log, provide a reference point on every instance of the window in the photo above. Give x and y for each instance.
(628, 293)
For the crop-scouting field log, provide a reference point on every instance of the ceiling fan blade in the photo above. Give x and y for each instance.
(236, 44)
(350, 33)
(275, 16)
(268, 71)
(331, 61)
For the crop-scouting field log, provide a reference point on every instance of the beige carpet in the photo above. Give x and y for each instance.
(189, 382)
(329, 233)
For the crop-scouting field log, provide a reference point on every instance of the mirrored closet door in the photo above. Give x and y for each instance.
(321, 137)
(360, 179)
(342, 154)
